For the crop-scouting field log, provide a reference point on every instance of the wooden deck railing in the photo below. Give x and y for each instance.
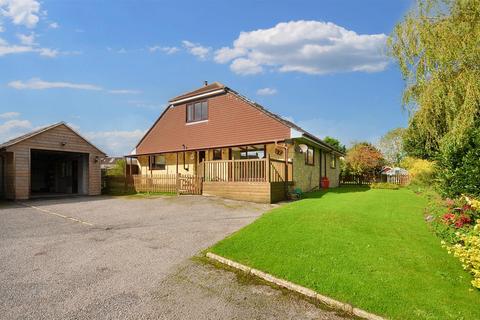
(246, 170)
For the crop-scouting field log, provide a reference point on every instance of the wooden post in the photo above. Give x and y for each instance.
(176, 153)
(129, 172)
(267, 168)
(285, 182)
(125, 175)
(178, 183)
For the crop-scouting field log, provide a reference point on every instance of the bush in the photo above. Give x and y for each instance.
(459, 165)
(458, 223)
(422, 172)
(468, 251)
(384, 185)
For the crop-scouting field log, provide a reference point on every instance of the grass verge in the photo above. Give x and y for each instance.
(370, 248)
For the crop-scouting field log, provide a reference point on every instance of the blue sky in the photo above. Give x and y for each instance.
(109, 67)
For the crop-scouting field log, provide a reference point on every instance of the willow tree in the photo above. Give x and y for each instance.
(437, 47)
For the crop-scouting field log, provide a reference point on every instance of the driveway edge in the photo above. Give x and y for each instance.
(297, 288)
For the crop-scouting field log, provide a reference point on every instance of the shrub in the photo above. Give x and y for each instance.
(422, 172)
(467, 250)
(451, 216)
(384, 185)
(461, 235)
(459, 165)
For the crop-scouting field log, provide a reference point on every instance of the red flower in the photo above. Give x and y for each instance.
(462, 220)
(459, 224)
(448, 218)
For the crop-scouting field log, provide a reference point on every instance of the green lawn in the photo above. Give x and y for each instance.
(368, 247)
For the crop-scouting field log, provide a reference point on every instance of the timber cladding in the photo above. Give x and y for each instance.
(57, 138)
(261, 192)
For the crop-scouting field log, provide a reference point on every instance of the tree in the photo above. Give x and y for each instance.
(335, 143)
(118, 169)
(438, 52)
(363, 158)
(391, 146)
(460, 165)
(437, 49)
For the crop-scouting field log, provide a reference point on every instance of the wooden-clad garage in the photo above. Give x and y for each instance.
(52, 161)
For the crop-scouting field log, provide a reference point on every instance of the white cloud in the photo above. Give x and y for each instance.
(115, 143)
(164, 49)
(21, 12)
(50, 53)
(28, 40)
(196, 49)
(53, 25)
(245, 66)
(13, 128)
(6, 48)
(311, 47)
(124, 91)
(267, 92)
(226, 54)
(9, 115)
(38, 84)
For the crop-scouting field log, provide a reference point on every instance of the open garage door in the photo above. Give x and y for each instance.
(55, 173)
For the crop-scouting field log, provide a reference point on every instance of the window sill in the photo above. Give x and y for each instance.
(195, 122)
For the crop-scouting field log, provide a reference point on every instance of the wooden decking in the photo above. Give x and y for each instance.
(257, 180)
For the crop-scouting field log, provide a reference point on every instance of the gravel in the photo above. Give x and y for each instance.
(132, 260)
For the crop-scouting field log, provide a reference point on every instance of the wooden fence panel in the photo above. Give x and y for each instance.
(369, 179)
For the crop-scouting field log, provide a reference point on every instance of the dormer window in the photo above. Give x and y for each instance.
(197, 111)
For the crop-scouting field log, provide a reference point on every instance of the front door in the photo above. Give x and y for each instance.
(201, 156)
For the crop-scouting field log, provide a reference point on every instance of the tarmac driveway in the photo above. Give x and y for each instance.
(121, 258)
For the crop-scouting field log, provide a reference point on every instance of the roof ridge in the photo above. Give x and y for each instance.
(40, 130)
(201, 90)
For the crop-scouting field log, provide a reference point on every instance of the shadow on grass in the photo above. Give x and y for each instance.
(340, 189)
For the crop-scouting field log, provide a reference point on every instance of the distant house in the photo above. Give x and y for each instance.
(52, 161)
(239, 148)
(393, 171)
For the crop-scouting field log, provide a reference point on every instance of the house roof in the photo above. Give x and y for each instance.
(215, 86)
(33, 133)
(205, 89)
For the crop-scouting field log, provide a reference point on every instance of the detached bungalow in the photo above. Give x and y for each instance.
(238, 148)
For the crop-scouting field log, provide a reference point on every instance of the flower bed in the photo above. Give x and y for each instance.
(459, 228)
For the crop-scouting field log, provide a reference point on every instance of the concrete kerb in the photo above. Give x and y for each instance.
(297, 288)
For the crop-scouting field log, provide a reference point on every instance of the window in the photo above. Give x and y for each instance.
(217, 154)
(253, 153)
(157, 162)
(333, 161)
(310, 156)
(197, 111)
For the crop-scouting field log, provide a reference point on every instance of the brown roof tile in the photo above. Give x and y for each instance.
(205, 89)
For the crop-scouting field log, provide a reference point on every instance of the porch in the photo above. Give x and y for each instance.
(264, 180)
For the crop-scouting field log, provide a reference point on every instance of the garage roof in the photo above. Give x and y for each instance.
(41, 130)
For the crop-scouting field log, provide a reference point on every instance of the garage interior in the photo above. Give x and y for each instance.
(56, 173)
